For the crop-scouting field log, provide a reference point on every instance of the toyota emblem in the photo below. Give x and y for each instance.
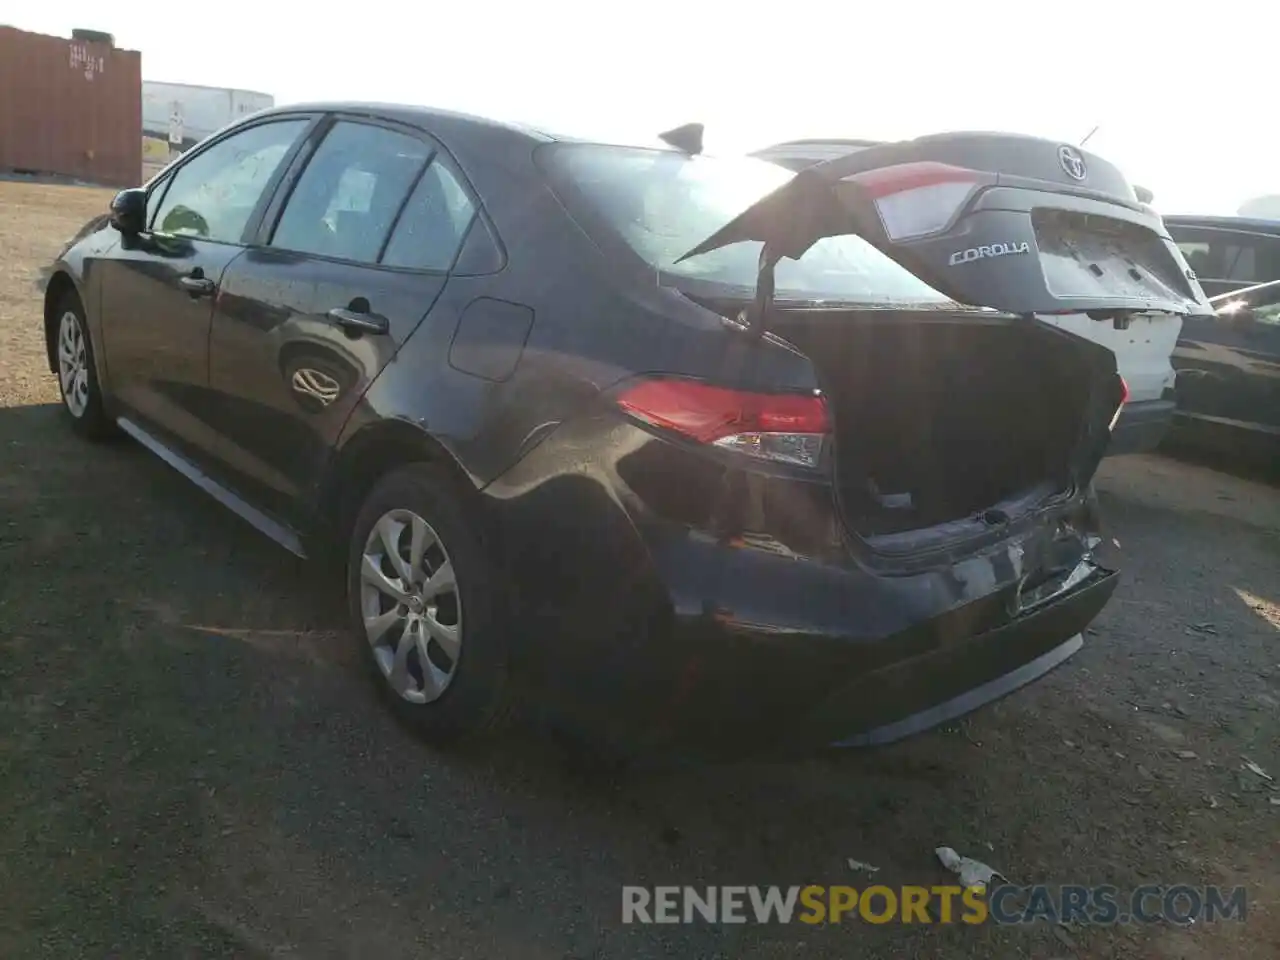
(1071, 161)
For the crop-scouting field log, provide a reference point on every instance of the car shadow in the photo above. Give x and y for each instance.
(191, 721)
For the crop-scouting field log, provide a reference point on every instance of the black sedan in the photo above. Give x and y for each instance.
(689, 451)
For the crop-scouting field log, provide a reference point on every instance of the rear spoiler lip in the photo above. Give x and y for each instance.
(1018, 195)
(1141, 214)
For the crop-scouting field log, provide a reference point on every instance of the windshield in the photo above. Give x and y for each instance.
(664, 203)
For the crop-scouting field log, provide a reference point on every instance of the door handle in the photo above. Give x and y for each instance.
(196, 286)
(359, 321)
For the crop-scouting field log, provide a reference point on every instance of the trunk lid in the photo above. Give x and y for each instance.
(950, 425)
(1017, 224)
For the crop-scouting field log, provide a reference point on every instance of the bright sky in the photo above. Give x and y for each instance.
(1156, 78)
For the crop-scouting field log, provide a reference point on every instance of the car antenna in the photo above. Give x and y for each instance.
(686, 139)
(1090, 134)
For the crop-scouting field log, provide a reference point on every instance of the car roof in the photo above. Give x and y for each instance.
(1224, 223)
(823, 141)
(436, 118)
(449, 124)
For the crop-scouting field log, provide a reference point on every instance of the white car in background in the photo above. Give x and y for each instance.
(1143, 344)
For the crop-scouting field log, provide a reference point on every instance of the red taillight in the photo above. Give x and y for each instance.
(783, 427)
(1124, 398)
(918, 199)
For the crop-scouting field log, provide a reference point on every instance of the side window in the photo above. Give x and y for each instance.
(1202, 249)
(347, 197)
(1198, 255)
(1240, 261)
(1254, 259)
(1268, 259)
(434, 222)
(213, 195)
(1229, 255)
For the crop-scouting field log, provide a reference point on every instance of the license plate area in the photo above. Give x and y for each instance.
(1085, 256)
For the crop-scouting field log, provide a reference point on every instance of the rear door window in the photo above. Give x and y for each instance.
(434, 222)
(1239, 261)
(1252, 259)
(350, 194)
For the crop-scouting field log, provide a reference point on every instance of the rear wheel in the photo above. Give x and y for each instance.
(77, 377)
(425, 605)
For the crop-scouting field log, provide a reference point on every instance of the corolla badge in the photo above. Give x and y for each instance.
(1072, 162)
(312, 383)
(988, 250)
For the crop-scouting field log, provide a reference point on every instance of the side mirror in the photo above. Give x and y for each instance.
(129, 211)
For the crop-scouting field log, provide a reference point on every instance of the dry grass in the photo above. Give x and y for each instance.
(35, 220)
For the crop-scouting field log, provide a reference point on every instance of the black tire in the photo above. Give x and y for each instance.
(475, 698)
(87, 415)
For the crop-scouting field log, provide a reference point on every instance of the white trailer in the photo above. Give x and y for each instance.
(177, 116)
(184, 114)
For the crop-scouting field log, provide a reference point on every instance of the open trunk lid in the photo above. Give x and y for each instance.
(1018, 224)
(947, 425)
(1010, 412)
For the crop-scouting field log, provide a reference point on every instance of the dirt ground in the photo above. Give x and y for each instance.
(190, 765)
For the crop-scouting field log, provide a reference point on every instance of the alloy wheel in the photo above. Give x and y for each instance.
(411, 606)
(73, 364)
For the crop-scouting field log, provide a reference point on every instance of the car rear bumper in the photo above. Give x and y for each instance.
(1141, 427)
(763, 628)
(734, 698)
(713, 687)
(961, 677)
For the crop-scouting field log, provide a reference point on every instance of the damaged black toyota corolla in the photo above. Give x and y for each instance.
(691, 452)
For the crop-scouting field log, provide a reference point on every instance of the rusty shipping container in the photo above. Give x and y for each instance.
(70, 107)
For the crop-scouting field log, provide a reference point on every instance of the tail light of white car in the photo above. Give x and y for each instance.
(919, 199)
(1124, 398)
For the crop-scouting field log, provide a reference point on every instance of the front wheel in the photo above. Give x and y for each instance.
(426, 606)
(77, 377)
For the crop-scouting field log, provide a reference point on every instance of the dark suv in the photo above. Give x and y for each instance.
(1228, 253)
(686, 450)
(1227, 390)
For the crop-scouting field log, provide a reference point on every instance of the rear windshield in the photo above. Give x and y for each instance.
(664, 203)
